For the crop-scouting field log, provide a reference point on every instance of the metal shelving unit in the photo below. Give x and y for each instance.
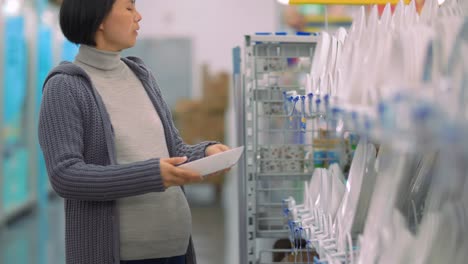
(2, 88)
(24, 129)
(36, 185)
(273, 166)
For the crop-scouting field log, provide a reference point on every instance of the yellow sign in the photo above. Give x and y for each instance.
(346, 2)
(317, 23)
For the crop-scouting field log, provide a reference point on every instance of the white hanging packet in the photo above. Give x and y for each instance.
(399, 249)
(331, 62)
(324, 190)
(437, 238)
(386, 17)
(320, 59)
(338, 188)
(353, 208)
(314, 187)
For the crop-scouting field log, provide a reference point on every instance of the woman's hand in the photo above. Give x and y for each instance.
(174, 176)
(215, 149)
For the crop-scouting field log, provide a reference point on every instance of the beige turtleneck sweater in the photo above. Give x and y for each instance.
(153, 225)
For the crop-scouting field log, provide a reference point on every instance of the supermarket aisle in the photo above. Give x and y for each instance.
(208, 223)
(37, 238)
(33, 240)
(208, 234)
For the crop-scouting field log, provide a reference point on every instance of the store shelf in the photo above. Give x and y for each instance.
(18, 212)
(22, 210)
(283, 39)
(270, 52)
(273, 233)
(284, 174)
(264, 185)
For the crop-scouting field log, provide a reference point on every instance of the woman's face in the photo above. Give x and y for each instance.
(118, 31)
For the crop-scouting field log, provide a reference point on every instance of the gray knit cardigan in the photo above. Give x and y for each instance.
(77, 139)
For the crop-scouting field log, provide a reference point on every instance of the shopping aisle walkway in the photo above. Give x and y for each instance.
(35, 239)
(39, 239)
(208, 234)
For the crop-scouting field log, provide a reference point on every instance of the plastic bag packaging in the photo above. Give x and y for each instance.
(427, 234)
(449, 177)
(398, 250)
(338, 189)
(403, 200)
(462, 239)
(392, 183)
(314, 187)
(419, 189)
(465, 192)
(325, 191)
(306, 196)
(353, 209)
(438, 238)
(319, 61)
(462, 255)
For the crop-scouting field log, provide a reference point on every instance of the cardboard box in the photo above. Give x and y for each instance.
(197, 122)
(215, 89)
(212, 124)
(212, 129)
(204, 120)
(187, 118)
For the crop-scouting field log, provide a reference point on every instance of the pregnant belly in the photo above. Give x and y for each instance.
(155, 217)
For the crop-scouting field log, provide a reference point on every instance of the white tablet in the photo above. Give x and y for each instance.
(215, 163)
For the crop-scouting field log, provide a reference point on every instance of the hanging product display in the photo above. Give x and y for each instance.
(388, 95)
(15, 153)
(44, 65)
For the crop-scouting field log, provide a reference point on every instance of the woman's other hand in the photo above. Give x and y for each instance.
(215, 149)
(174, 176)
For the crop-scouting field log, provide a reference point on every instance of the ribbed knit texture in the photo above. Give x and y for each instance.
(147, 228)
(76, 137)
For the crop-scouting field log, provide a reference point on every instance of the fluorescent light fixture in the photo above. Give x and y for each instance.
(12, 7)
(440, 1)
(286, 2)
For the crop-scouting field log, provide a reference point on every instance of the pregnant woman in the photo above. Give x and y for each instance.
(111, 148)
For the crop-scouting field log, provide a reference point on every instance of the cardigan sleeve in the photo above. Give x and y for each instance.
(61, 138)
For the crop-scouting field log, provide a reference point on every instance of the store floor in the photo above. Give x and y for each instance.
(38, 238)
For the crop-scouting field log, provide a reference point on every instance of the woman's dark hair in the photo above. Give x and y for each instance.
(80, 19)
